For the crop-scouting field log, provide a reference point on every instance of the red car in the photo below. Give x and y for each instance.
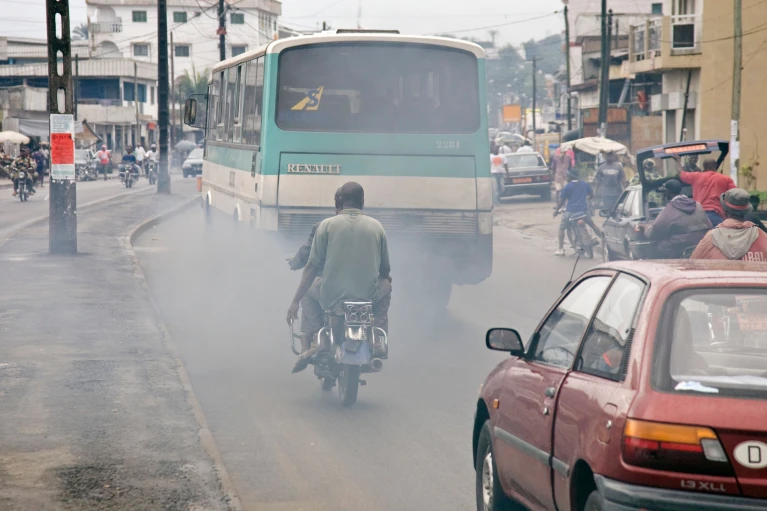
(644, 387)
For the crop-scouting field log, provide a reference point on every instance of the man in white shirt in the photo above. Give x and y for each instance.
(499, 167)
(152, 153)
(527, 148)
(140, 154)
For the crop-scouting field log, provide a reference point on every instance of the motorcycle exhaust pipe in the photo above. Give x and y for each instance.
(376, 365)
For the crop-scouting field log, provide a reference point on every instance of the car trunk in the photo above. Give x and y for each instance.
(527, 175)
(739, 423)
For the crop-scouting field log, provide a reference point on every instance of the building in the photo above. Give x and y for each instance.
(127, 29)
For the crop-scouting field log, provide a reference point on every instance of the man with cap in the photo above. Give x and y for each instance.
(735, 238)
(611, 180)
(681, 224)
(707, 187)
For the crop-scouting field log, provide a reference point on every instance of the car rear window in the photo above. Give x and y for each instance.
(525, 160)
(714, 342)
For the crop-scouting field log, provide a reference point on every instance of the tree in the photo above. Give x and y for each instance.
(80, 31)
(192, 83)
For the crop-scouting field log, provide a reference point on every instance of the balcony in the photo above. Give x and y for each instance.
(667, 42)
(106, 27)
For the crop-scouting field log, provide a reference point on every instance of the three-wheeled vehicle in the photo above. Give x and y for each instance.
(641, 202)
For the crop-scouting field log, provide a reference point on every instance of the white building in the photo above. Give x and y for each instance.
(128, 29)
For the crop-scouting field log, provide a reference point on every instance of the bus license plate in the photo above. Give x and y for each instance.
(522, 180)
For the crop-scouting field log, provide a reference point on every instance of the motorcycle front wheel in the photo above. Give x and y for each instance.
(348, 384)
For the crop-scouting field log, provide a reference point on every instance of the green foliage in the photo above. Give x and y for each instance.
(192, 83)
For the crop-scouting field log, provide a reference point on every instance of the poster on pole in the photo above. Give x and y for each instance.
(62, 147)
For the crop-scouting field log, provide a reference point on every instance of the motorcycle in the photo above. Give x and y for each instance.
(578, 234)
(347, 346)
(23, 192)
(128, 177)
(151, 172)
(87, 172)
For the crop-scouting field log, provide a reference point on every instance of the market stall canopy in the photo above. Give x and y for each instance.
(40, 128)
(84, 133)
(596, 145)
(13, 137)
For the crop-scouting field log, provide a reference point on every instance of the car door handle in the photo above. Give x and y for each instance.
(550, 392)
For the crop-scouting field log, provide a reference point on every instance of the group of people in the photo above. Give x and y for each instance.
(499, 165)
(134, 159)
(33, 164)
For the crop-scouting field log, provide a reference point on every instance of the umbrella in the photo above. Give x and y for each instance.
(13, 137)
(596, 145)
(185, 145)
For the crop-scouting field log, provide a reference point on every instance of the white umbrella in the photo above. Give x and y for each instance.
(13, 137)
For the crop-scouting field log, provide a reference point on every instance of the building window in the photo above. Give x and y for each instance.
(657, 8)
(179, 17)
(238, 49)
(182, 50)
(237, 18)
(151, 94)
(140, 50)
(139, 16)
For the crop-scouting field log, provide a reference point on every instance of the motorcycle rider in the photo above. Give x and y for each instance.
(39, 158)
(23, 163)
(152, 155)
(576, 194)
(299, 260)
(681, 224)
(104, 157)
(735, 238)
(129, 162)
(350, 252)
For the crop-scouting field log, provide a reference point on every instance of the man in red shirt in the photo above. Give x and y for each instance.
(735, 238)
(707, 187)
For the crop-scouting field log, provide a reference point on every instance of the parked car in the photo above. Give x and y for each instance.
(193, 164)
(528, 175)
(642, 203)
(643, 387)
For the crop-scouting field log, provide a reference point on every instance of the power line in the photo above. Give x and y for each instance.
(494, 26)
(331, 4)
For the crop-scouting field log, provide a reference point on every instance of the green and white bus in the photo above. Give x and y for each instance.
(404, 116)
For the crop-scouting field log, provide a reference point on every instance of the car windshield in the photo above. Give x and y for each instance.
(196, 154)
(714, 342)
(520, 161)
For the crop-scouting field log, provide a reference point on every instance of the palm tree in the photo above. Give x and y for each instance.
(80, 31)
(192, 83)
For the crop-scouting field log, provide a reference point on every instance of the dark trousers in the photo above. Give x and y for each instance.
(714, 217)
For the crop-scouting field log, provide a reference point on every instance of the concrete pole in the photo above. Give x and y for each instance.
(567, 58)
(736, 81)
(137, 135)
(163, 176)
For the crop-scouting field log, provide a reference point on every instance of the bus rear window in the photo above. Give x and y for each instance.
(378, 88)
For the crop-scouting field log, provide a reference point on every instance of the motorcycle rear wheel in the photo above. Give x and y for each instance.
(348, 384)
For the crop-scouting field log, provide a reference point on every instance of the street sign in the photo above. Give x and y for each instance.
(512, 113)
(62, 147)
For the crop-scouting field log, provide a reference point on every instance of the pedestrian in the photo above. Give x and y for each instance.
(576, 194)
(681, 224)
(753, 217)
(39, 159)
(610, 181)
(104, 157)
(499, 168)
(707, 188)
(505, 149)
(140, 153)
(691, 164)
(561, 165)
(735, 238)
(526, 148)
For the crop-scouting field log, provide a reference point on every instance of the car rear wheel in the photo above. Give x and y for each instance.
(490, 495)
(595, 502)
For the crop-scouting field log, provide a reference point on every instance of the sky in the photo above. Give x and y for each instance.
(515, 20)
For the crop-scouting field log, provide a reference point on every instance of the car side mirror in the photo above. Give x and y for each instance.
(505, 339)
(190, 111)
(195, 110)
(604, 213)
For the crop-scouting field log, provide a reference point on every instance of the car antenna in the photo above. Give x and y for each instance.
(570, 281)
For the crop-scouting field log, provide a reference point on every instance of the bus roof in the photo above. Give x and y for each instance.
(332, 37)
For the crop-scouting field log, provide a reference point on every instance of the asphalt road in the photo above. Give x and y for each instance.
(14, 213)
(406, 444)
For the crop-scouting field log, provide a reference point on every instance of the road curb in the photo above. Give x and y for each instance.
(204, 434)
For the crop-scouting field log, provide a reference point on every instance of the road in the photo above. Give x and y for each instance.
(14, 213)
(406, 444)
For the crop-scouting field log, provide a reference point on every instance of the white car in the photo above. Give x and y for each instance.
(193, 164)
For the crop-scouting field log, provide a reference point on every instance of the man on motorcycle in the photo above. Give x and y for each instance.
(299, 260)
(23, 163)
(576, 194)
(351, 253)
(152, 155)
(735, 238)
(129, 162)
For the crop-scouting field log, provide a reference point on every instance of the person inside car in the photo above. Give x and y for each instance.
(707, 188)
(735, 238)
(680, 225)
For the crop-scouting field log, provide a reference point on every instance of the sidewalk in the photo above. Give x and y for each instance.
(95, 414)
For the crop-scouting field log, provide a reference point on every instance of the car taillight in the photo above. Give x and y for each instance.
(674, 448)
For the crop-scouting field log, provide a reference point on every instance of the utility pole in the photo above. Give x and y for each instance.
(135, 102)
(736, 80)
(535, 72)
(172, 92)
(605, 73)
(567, 58)
(221, 30)
(163, 177)
(62, 212)
(77, 83)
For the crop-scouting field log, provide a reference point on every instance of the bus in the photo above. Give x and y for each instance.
(404, 116)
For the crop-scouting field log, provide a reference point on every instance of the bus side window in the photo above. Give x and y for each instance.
(220, 117)
(251, 133)
(231, 103)
(214, 95)
(237, 119)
